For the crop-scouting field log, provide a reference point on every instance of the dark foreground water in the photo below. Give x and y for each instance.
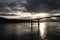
(22, 31)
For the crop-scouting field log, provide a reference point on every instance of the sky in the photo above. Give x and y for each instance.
(14, 7)
(32, 5)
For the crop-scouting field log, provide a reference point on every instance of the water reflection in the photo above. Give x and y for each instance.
(16, 28)
(43, 29)
(19, 31)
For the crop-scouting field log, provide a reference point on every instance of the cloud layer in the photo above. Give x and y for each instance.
(29, 5)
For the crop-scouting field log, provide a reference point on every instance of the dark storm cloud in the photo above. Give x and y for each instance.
(29, 5)
(34, 4)
(12, 5)
(54, 4)
(43, 5)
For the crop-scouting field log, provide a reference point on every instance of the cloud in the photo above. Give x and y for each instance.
(29, 5)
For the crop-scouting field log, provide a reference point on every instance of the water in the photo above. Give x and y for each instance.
(22, 31)
(17, 31)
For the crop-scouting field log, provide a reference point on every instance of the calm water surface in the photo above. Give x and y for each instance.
(22, 31)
